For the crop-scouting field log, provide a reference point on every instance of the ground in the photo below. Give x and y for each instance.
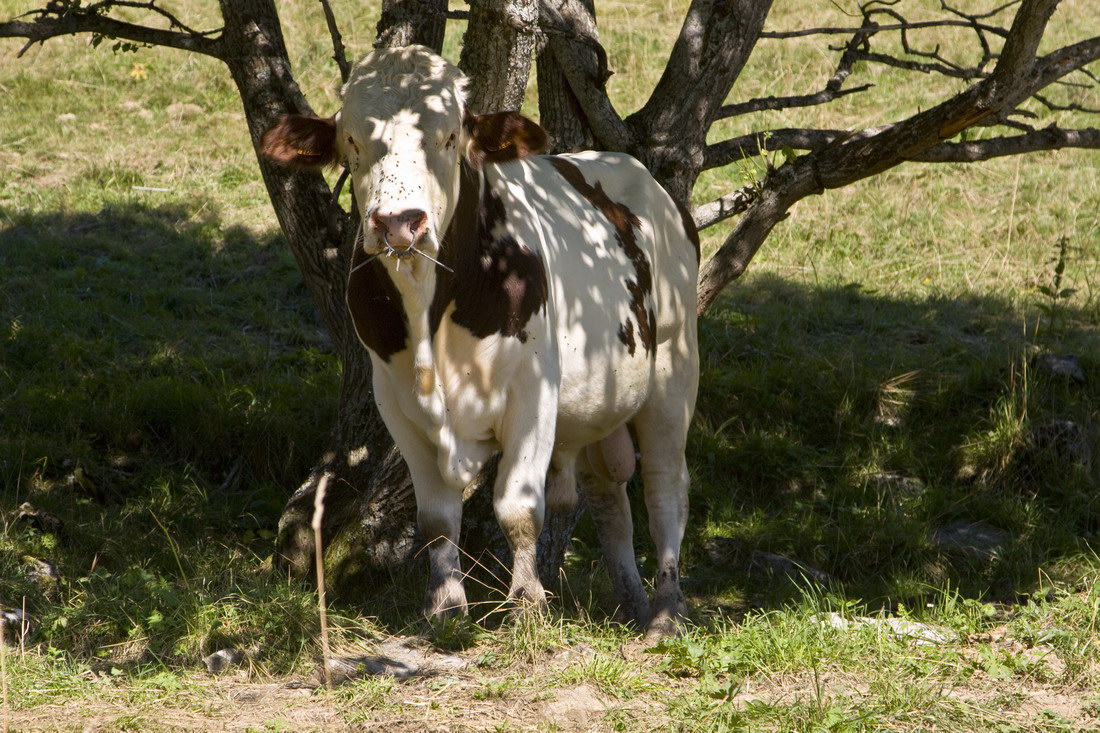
(897, 425)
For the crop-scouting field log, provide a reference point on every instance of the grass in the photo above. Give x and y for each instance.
(872, 381)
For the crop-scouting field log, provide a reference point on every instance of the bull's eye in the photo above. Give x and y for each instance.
(451, 140)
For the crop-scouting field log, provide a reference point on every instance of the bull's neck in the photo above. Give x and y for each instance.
(426, 289)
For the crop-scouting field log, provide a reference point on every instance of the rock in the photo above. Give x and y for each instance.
(726, 551)
(42, 573)
(1066, 367)
(1061, 441)
(222, 660)
(16, 625)
(971, 538)
(184, 110)
(793, 569)
(895, 483)
(921, 633)
(67, 117)
(399, 657)
(44, 522)
(575, 653)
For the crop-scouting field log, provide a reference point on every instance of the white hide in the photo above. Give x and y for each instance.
(451, 399)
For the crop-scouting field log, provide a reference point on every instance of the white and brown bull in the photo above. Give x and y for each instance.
(540, 306)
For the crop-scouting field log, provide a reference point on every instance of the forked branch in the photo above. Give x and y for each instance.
(68, 17)
(853, 157)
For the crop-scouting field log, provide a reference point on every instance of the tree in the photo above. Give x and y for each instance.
(369, 504)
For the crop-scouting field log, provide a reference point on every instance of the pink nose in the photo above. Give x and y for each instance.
(400, 229)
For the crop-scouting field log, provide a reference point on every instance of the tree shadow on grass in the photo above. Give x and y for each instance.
(165, 385)
(902, 445)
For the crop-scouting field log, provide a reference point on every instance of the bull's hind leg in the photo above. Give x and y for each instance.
(609, 508)
(661, 427)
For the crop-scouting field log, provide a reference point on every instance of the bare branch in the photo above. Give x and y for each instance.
(904, 26)
(1049, 138)
(761, 104)
(723, 207)
(864, 154)
(66, 18)
(748, 146)
(339, 55)
(973, 151)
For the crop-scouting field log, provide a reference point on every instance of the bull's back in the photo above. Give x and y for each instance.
(622, 273)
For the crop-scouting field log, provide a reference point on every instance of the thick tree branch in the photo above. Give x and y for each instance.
(1049, 138)
(714, 44)
(65, 19)
(972, 151)
(858, 156)
(570, 36)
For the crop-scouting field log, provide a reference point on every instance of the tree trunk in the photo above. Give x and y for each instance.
(560, 112)
(408, 22)
(370, 509)
(497, 53)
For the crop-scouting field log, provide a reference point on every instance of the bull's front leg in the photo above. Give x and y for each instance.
(527, 442)
(438, 512)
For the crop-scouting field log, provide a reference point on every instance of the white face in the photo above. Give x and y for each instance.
(401, 132)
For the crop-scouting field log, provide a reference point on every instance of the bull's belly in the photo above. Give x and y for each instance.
(592, 403)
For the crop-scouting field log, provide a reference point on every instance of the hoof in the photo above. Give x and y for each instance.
(668, 618)
(634, 615)
(445, 602)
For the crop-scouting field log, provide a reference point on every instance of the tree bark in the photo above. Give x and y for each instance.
(497, 53)
(408, 22)
(560, 112)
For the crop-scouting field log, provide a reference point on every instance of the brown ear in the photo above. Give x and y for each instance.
(503, 136)
(301, 141)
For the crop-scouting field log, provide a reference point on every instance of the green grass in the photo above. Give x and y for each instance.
(165, 384)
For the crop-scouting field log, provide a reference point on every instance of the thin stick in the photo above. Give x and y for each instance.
(318, 512)
(338, 54)
(4, 672)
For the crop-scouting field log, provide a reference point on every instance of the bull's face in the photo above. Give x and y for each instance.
(404, 133)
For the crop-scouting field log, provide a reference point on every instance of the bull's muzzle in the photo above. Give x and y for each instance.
(399, 230)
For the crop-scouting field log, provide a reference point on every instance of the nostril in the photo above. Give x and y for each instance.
(417, 220)
(378, 222)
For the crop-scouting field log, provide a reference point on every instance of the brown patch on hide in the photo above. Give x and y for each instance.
(301, 141)
(498, 283)
(625, 223)
(376, 308)
(503, 136)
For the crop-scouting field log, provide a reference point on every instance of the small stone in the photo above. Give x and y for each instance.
(919, 632)
(1061, 441)
(1063, 366)
(222, 660)
(67, 117)
(793, 569)
(894, 482)
(44, 522)
(973, 538)
(41, 572)
(16, 625)
(184, 110)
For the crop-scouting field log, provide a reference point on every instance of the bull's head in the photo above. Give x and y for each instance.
(404, 132)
